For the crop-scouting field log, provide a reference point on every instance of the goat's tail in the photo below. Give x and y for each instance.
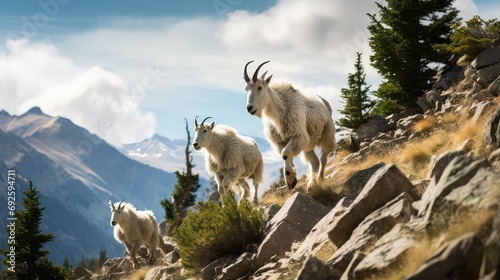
(166, 248)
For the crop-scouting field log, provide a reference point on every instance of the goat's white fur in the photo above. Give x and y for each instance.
(134, 228)
(294, 122)
(230, 157)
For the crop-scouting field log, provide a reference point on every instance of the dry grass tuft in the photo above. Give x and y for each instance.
(425, 125)
(325, 194)
(428, 245)
(140, 274)
(415, 157)
(450, 118)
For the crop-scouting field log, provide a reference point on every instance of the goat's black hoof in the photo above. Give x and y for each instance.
(292, 185)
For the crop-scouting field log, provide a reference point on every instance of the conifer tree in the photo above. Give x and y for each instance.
(31, 257)
(357, 102)
(184, 195)
(403, 39)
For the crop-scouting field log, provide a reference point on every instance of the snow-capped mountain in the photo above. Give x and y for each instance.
(76, 173)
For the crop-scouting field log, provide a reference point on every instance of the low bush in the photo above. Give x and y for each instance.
(214, 231)
(471, 39)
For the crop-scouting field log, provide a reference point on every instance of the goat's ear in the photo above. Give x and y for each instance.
(110, 205)
(268, 80)
(212, 125)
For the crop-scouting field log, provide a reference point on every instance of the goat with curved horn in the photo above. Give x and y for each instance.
(256, 73)
(111, 205)
(134, 228)
(295, 122)
(230, 158)
(245, 74)
(203, 122)
(120, 204)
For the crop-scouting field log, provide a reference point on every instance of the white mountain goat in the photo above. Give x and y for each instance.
(134, 228)
(231, 158)
(294, 122)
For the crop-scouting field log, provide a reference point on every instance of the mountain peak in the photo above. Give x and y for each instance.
(4, 113)
(35, 111)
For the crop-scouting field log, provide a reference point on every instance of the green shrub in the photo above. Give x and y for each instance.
(471, 39)
(390, 97)
(215, 231)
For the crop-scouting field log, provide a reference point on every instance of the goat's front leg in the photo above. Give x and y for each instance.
(291, 150)
(229, 179)
(220, 188)
(133, 251)
(290, 173)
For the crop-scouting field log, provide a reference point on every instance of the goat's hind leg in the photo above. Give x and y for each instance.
(244, 189)
(153, 243)
(314, 165)
(328, 146)
(256, 191)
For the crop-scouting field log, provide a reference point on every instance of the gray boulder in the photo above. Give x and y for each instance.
(317, 243)
(81, 273)
(487, 57)
(374, 226)
(491, 135)
(238, 268)
(461, 260)
(387, 253)
(386, 184)
(211, 270)
(162, 273)
(486, 75)
(292, 223)
(494, 87)
(457, 173)
(369, 130)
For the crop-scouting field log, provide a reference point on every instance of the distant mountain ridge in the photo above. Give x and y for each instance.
(76, 173)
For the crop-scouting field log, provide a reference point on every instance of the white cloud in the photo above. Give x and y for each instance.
(310, 43)
(35, 74)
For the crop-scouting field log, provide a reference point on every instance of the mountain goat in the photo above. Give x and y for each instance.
(134, 228)
(231, 158)
(293, 121)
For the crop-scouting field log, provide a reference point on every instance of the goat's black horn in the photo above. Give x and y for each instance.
(245, 74)
(111, 204)
(120, 204)
(203, 122)
(256, 73)
(196, 121)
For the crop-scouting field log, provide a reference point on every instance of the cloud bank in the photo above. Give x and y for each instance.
(35, 74)
(310, 43)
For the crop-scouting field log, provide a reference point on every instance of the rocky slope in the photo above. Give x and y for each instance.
(432, 215)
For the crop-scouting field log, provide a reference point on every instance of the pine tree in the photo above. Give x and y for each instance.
(356, 99)
(102, 258)
(66, 264)
(184, 195)
(403, 40)
(31, 257)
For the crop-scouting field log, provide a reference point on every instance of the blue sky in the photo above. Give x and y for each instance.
(128, 69)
